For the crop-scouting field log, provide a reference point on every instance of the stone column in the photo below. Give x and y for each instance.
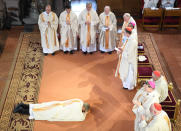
(13, 11)
(32, 18)
(2, 14)
(59, 6)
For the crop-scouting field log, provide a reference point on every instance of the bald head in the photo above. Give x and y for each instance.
(107, 9)
(48, 9)
(126, 17)
(88, 6)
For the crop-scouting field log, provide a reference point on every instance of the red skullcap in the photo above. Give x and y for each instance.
(129, 29)
(157, 73)
(157, 106)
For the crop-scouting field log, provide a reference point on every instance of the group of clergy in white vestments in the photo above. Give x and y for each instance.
(148, 111)
(86, 26)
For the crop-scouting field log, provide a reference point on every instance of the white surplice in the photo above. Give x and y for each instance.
(68, 32)
(160, 122)
(112, 32)
(69, 110)
(94, 19)
(49, 40)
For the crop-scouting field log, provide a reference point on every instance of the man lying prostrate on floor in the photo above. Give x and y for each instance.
(69, 110)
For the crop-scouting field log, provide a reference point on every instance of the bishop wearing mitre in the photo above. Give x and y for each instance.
(88, 21)
(128, 19)
(68, 29)
(127, 64)
(108, 31)
(48, 24)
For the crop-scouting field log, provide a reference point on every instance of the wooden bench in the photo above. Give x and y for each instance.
(172, 18)
(152, 18)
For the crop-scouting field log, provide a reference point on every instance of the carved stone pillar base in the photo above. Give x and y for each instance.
(33, 15)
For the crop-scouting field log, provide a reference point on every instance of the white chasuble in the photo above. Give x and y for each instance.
(68, 32)
(107, 38)
(49, 40)
(88, 31)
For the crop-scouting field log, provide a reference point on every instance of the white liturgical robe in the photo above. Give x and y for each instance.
(160, 122)
(146, 99)
(69, 110)
(127, 64)
(168, 3)
(107, 38)
(68, 32)
(162, 88)
(49, 40)
(134, 31)
(150, 3)
(88, 31)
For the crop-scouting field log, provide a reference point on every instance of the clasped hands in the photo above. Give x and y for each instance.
(68, 22)
(87, 22)
(119, 50)
(137, 103)
(48, 23)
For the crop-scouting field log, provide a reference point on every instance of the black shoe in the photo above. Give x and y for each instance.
(71, 52)
(125, 88)
(25, 106)
(85, 53)
(18, 106)
(91, 53)
(65, 52)
(102, 52)
(45, 54)
(53, 54)
(110, 52)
